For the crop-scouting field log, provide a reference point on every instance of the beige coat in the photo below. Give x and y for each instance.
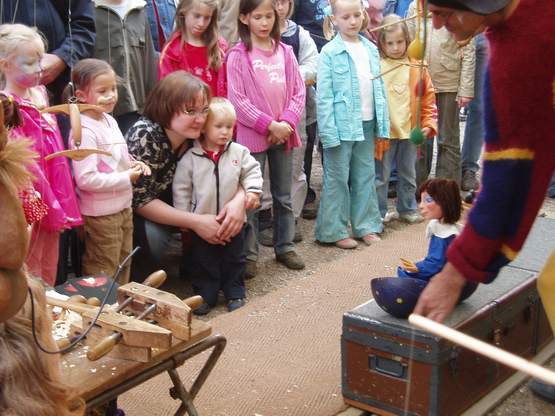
(451, 67)
(227, 22)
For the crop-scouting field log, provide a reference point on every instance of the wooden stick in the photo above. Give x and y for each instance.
(481, 347)
(397, 67)
(406, 19)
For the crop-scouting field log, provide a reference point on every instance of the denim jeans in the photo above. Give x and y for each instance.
(474, 130)
(349, 193)
(404, 153)
(281, 170)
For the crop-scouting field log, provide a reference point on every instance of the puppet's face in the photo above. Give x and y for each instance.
(429, 208)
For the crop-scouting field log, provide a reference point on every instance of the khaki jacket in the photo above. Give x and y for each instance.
(451, 67)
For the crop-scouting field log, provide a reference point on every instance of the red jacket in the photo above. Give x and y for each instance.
(174, 58)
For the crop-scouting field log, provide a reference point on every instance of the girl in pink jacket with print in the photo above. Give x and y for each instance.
(268, 92)
(21, 50)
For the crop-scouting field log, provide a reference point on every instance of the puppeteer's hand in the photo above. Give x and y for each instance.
(441, 294)
(52, 66)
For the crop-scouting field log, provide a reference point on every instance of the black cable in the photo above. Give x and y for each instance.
(100, 308)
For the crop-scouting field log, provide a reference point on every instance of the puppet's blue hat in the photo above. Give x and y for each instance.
(398, 295)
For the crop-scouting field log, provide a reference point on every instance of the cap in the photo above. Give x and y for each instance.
(477, 6)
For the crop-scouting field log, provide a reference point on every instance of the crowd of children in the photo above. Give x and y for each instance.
(158, 182)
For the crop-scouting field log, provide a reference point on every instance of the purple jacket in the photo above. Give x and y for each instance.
(53, 177)
(253, 112)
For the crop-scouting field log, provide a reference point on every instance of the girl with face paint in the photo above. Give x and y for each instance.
(21, 51)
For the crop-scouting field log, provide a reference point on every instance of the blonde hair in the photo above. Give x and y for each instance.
(329, 30)
(12, 36)
(391, 19)
(221, 106)
(30, 380)
(210, 35)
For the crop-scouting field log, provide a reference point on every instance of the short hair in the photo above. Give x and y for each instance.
(390, 19)
(221, 105)
(246, 7)
(171, 94)
(446, 193)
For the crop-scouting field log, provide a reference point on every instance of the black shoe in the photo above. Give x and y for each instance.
(291, 260)
(310, 211)
(234, 304)
(543, 390)
(203, 309)
(250, 269)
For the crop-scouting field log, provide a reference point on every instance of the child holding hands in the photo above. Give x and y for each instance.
(206, 178)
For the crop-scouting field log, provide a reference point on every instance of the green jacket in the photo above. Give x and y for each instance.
(126, 44)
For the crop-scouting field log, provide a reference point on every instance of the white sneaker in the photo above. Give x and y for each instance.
(390, 216)
(412, 218)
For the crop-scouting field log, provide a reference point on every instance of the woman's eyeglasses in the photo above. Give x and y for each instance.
(194, 113)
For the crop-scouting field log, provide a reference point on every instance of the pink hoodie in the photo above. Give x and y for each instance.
(253, 112)
(53, 177)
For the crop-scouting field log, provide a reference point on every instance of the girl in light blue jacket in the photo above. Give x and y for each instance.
(352, 112)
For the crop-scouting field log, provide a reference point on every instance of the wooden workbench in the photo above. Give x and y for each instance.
(97, 382)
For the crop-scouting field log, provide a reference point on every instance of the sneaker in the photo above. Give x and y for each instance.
(543, 390)
(390, 216)
(234, 304)
(371, 238)
(202, 309)
(411, 218)
(346, 243)
(469, 181)
(266, 237)
(291, 260)
(250, 269)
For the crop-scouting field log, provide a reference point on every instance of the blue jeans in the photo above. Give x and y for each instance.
(281, 171)
(404, 153)
(474, 130)
(349, 193)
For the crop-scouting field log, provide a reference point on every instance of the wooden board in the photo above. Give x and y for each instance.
(135, 333)
(91, 378)
(171, 312)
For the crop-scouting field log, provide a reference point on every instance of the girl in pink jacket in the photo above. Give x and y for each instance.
(21, 50)
(268, 92)
(196, 46)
